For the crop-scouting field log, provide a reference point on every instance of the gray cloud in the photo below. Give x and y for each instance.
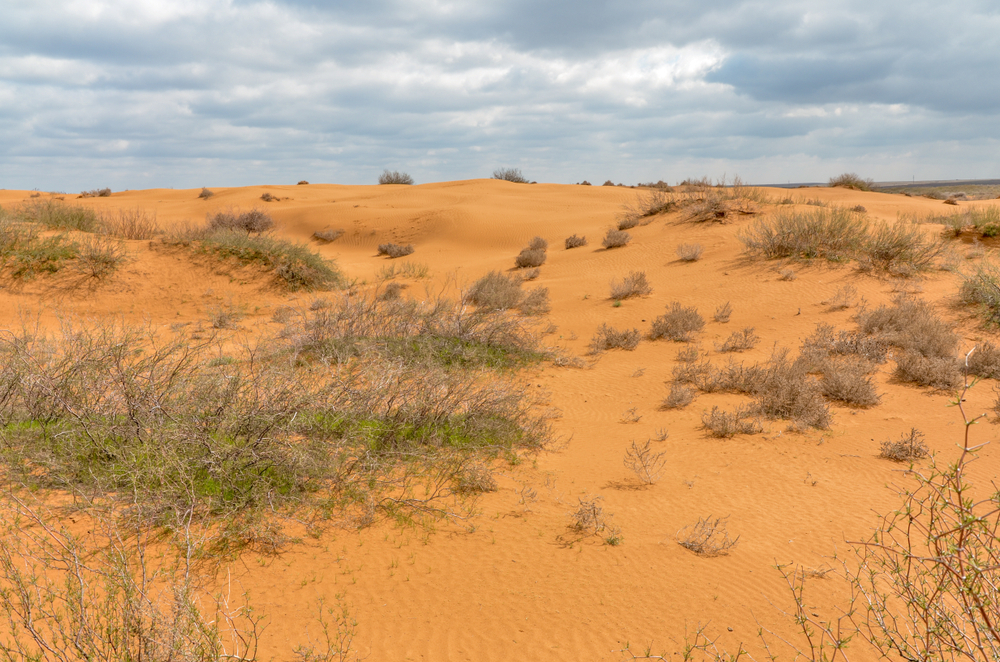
(137, 93)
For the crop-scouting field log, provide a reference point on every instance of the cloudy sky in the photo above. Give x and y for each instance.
(185, 93)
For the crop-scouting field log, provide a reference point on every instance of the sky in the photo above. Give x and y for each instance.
(134, 94)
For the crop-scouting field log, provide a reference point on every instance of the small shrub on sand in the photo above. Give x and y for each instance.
(589, 518)
(295, 266)
(254, 221)
(476, 478)
(910, 324)
(724, 424)
(392, 291)
(679, 324)
(96, 193)
(393, 251)
(825, 342)
(616, 239)
(846, 379)
(608, 337)
(538, 244)
(531, 274)
(981, 289)
(56, 215)
(535, 302)
(785, 390)
(723, 312)
(205, 194)
(99, 257)
(394, 177)
(131, 224)
(899, 248)
(679, 396)
(859, 209)
(787, 275)
(707, 537)
(940, 372)
(303, 182)
(530, 257)
(689, 252)
(497, 291)
(632, 285)
(328, 235)
(834, 233)
(510, 175)
(644, 463)
(852, 181)
(267, 197)
(739, 341)
(985, 361)
(575, 242)
(910, 446)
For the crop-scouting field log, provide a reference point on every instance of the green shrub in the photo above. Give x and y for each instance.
(294, 265)
(981, 288)
(99, 257)
(852, 181)
(898, 248)
(57, 215)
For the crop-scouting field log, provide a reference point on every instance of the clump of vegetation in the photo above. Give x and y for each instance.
(739, 341)
(984, 361)
(574, 241)
(607, 337)
(848, 380)
(56, 215)
(303, 182)
(679, 324)
(205, 194)
(908, 447)
(852, 181)
(646, 464)
(616, 238)
(679, 396)
(510, 175)
(707, 537)
(96, 193)
(393, 251)
(328, 235)
(723, 312)
(132, 224)
(394, 177)
(899, 248)
(589, 518)
(632, 285)
(98, 257)
(725, 424)
(255, 221)
(295, 266)
(689, 252)
(530, 258)
(497, 291)
(24, 254)
(981, 288)
(641, 212)
(267, 197)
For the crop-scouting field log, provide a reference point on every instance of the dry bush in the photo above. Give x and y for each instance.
(254, 221)
(129, 224)
(852, 181)
(497, 292)
(951, 201)
(394, 177)
(787, 275)
(680, 396)
(225, 317)
(981, 289)
(834, 234)
(984, 361)
(910, 324)
(859, 209)
(785, 390)
(391, 291)
(99, 257)
(530, 258)
(393, 251)
(328, 235)
(96, 193)
(688, 355)
(205, 194)
(940, 372)
(531, 274)
(679, 324)
(302, 182)
(475, 478)
(538, 244)
(56, 215)
(267, 197)
(824, 342)
(641, 212)
(510, 175)
(406, 269)
(725, 424)
(607, 337)
(898, 248)
(689, 252)
(723, 312)
(632, 285)
(707, 537)
(910, 446)
(848, 380)
(844, 298)
(574, 241)
(739, 341)
(616, 239)
(535, 302)
(294, 266)
(644, 463)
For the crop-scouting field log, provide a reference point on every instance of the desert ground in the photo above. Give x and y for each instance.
(504, 575)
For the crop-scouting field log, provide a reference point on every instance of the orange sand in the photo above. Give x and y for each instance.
(512, 582)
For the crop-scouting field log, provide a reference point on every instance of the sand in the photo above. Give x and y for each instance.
(513, 581)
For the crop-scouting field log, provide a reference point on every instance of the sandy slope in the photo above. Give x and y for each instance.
(512, 582)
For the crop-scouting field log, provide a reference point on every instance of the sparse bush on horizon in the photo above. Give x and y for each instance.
(510, 175)
(852, 181)
(394, 177)
(96, 193)
(205, 193)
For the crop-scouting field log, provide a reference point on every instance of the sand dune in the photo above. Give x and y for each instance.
(513, 582)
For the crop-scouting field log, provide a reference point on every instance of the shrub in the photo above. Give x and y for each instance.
(859, 209)
(784, 389)
(57, 215)
(787, 275)
(940, 372)
(575, 242)
(589, 519)
(678, 397)
(632, 285)
(689, 252)
(985, 361)
(303, 183)
(531, 274)
(132, 224)
(328, 235)
(608, 337)
(981, 288)
(616, 239)
(395, 250)
(824, 343)
(739, 341)
(724, 424)
(608, 182)
(96, 193)
(254, 221)
(677, 324)
(644, 463)
(898, 248)
(707, 537)
(510, 175)
(535, 302)
(205, 194)
(907, 448)
(295, 266)
(495, 291)
(909, 324)
(475, 479)
(723, 312)
(98, 257)
(538, 244)
(831, 233)
(391, 291)
(267, 197)
(394, 177)
(847, 380)
(852, 181)
(530, 257)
